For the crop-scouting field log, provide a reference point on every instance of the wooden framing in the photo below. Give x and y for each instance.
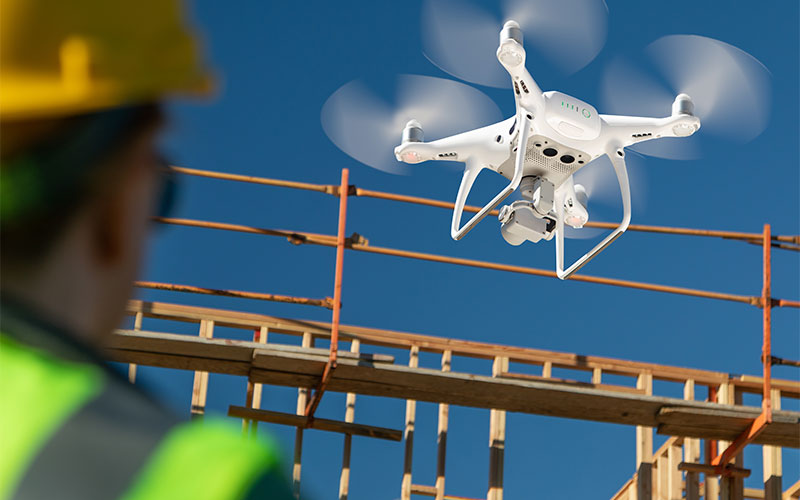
(372, 374)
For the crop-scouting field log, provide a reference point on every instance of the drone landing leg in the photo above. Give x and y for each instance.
(471, 172)
(618, 160)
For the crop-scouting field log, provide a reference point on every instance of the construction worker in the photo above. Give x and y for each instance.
(80, 86)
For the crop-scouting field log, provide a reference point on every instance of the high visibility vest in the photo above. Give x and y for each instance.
(72, 429)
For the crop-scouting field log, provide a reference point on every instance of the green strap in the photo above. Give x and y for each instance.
(98, 450)
(208, 460)
(36, 394)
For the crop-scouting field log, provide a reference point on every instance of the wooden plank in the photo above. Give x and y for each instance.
(220, 348)
(575, 383)
(321, 424)
(727, 422)
(671, 416)
(408, 433)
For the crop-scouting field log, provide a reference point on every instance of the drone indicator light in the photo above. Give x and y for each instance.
(411, 157)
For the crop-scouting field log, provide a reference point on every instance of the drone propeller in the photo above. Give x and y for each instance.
(462, 39)
(367, 128)
(729, 87)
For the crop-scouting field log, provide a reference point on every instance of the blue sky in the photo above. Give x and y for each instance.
(279, 62)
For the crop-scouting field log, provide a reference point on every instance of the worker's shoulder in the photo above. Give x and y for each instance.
(127, 444)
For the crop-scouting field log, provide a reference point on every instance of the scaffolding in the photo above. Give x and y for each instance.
(721, 424)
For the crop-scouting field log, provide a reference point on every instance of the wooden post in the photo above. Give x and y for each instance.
(773, 468)
(137, 326)
(349, 416)
(731, 488)
(547, 369)
(441, 440)
(662, 477)
(497, 439)
(302, 399)
(712, 447)
(597, 376)
(674, 480)
(411, 412)
(691, 451)
(200, 385)
(253, 397)
(644, 446)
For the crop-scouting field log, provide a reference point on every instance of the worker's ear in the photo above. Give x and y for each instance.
(121, 214)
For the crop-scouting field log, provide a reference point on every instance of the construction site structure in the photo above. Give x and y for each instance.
(720, 425)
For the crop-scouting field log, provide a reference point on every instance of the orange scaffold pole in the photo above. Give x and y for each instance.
(313, 403)
(763, 420)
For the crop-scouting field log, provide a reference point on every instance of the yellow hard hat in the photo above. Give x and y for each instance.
(60, 58)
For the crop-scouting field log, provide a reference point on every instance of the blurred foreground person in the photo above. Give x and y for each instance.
(80, 85)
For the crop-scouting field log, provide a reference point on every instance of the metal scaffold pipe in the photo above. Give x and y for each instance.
(792, 241)
(358, 243)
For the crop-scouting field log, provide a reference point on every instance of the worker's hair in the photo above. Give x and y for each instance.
(50, 169)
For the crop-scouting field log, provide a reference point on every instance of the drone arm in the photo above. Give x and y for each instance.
(618, 160)
(471, 171)
(629, 130)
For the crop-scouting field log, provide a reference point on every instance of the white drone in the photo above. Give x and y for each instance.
(551, 137)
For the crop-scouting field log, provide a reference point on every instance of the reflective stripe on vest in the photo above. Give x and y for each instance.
(78, 433)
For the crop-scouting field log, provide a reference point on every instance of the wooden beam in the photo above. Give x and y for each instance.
(710, 470)
(321, 424)
(793, 492)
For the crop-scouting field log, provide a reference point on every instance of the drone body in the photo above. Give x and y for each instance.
(550, 138)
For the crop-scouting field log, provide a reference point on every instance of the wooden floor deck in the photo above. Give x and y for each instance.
(378, 375)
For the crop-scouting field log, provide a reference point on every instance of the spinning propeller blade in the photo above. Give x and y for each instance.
(368, 128)
(729, 87)
(461, 38)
